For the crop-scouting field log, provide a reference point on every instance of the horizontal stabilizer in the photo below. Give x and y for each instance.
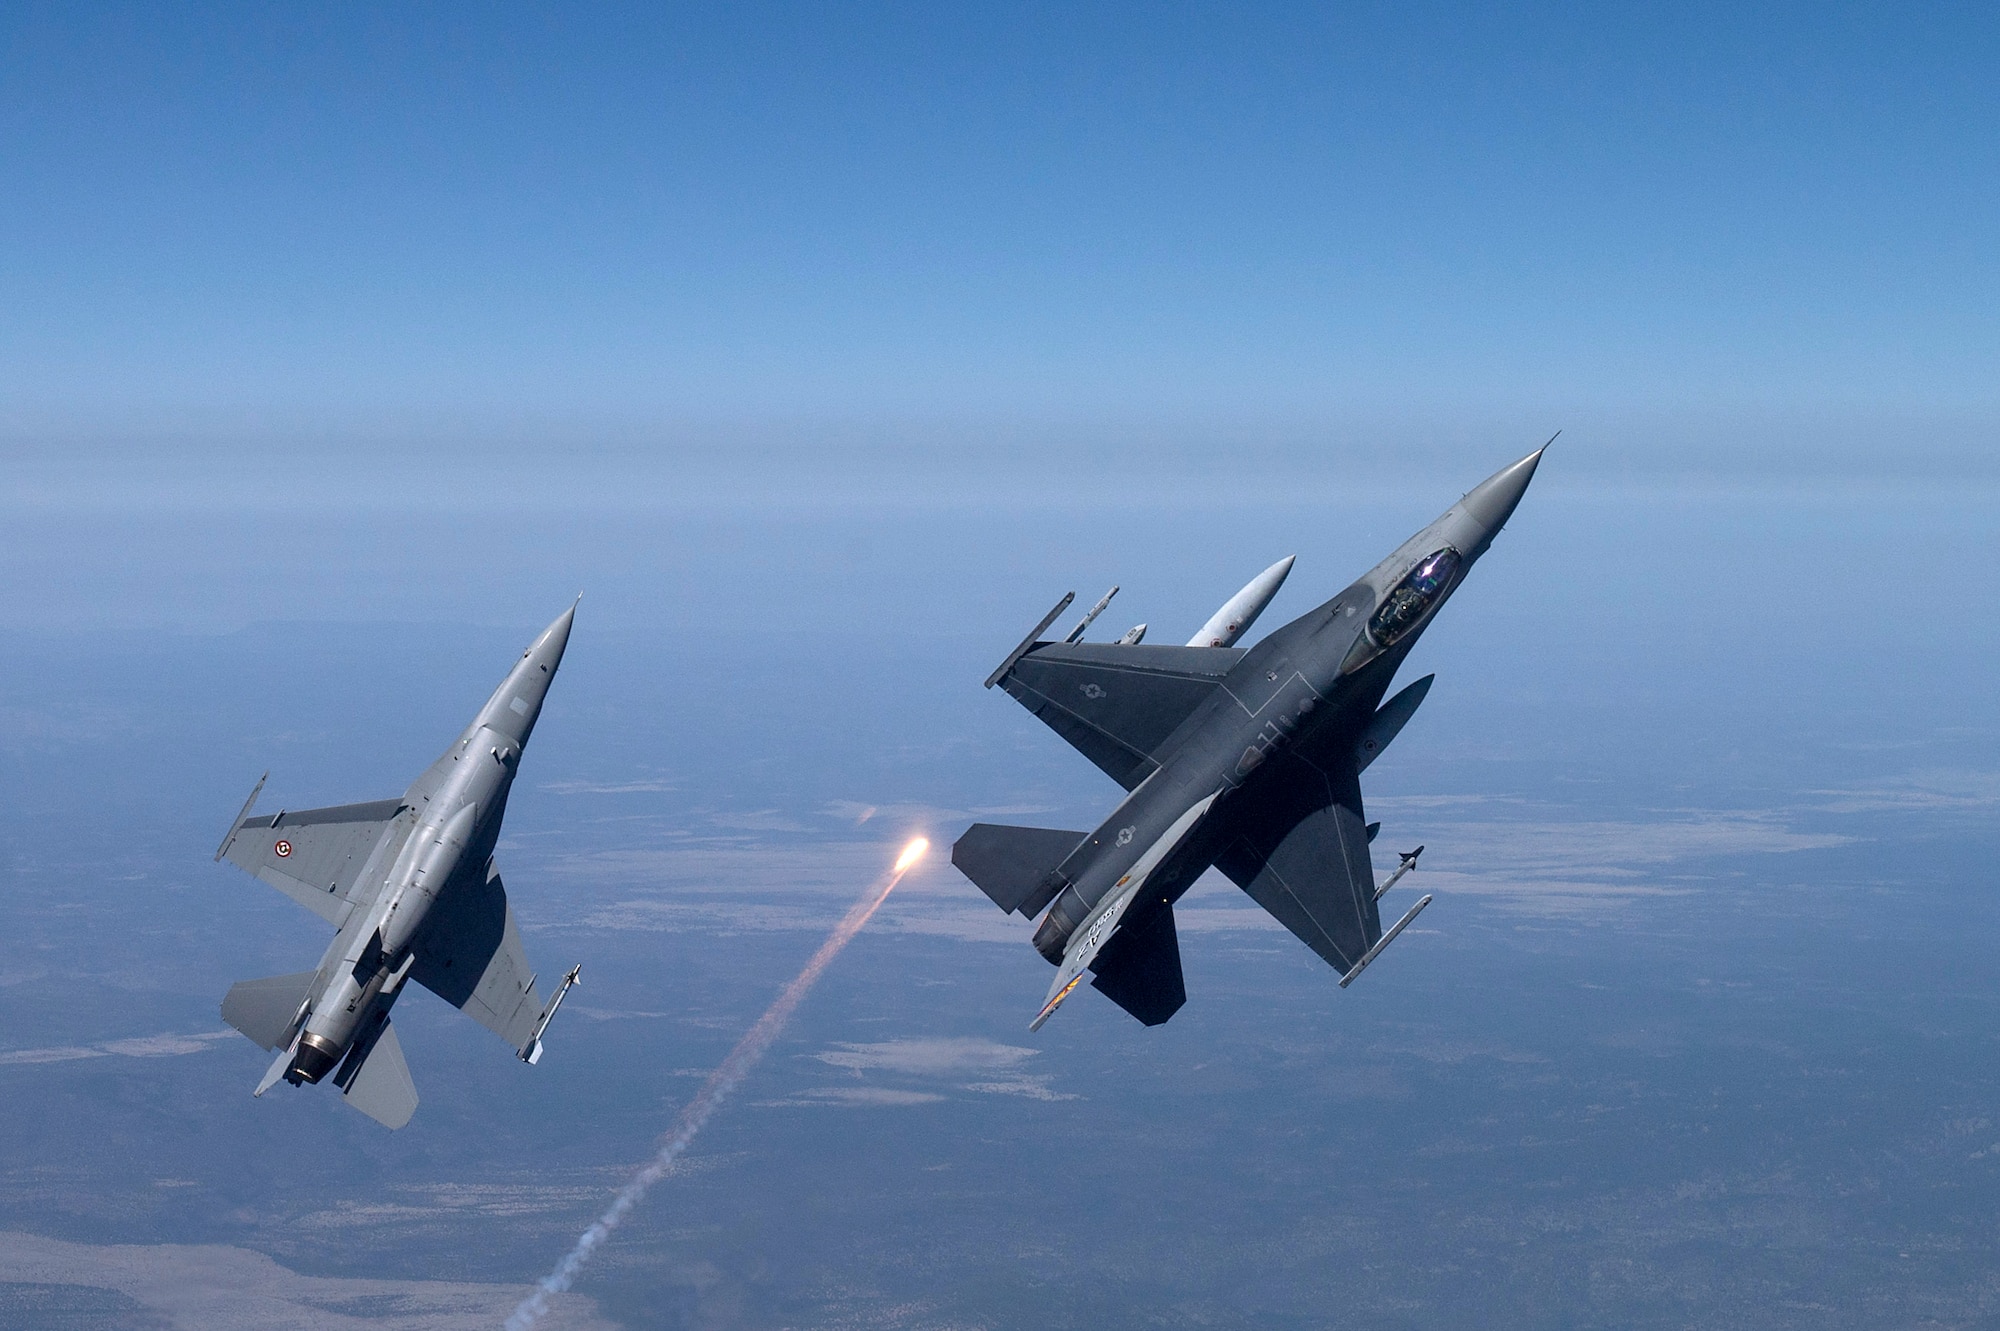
(1140, 968)
(376, 1080)
(1014, 865)
(265, 1009)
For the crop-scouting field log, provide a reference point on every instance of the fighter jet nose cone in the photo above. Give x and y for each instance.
(1493, 501)
(556, 635)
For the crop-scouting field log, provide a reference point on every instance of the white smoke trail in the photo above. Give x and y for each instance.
(727, 1075)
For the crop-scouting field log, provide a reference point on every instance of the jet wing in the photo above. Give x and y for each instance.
(1116, 703)
(317, 856)
(470, 955)
(1302, 854)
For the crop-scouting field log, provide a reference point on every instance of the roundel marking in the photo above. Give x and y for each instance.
(283, 848)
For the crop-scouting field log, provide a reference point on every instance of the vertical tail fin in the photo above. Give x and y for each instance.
(1140, 968)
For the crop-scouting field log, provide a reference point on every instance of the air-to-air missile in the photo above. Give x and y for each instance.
(410, 886)
(1245, 760)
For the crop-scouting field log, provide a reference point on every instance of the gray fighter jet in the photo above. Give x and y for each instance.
(1249, 761)
(410, 887)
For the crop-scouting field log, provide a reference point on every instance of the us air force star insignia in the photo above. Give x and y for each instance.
(1124, 836)
(1092, 691)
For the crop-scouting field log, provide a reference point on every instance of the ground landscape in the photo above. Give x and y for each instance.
(1701, 1029)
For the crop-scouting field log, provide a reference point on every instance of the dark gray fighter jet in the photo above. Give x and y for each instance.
(410, 887)
(1249, 761)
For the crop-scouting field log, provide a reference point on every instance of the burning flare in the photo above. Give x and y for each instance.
(726, 1077)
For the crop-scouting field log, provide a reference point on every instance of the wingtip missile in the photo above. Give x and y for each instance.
(1240, 611)
(531, 1052)
(1034, 636)
(241, 814)
(1384, 941)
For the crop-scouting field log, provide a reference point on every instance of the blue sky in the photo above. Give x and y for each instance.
(1697, 236)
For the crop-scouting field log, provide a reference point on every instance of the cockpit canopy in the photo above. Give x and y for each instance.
(1403, 608)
